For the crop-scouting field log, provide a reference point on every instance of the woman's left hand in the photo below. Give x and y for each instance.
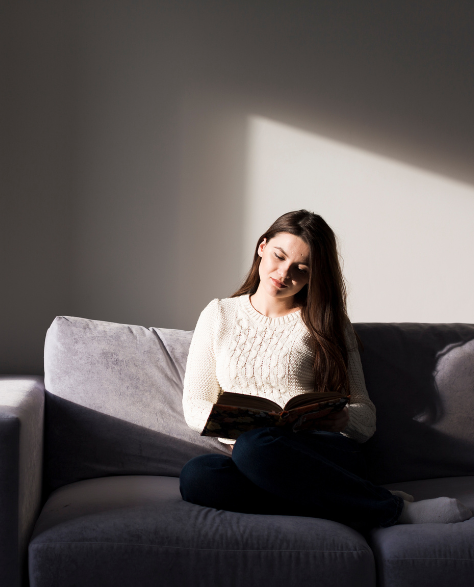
(335, 422)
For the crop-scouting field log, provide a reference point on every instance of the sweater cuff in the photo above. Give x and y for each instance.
(226, 440)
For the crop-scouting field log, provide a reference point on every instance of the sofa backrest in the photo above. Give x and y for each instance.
(421, 380)
(114, 402)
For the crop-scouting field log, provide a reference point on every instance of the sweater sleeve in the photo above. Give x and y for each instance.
(201, 388)
(361, 410)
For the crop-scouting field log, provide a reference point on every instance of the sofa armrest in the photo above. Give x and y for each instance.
(21, 464)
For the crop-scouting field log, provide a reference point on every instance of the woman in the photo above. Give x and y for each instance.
(283, 333)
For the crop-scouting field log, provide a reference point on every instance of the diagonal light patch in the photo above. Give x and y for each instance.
(406, 235)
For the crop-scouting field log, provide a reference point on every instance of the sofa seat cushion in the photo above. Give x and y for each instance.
(136, 530)
(409, 555)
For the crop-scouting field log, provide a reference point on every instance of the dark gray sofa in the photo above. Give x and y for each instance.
(90, 463)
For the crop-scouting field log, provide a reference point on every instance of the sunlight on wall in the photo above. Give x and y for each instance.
(406, 235)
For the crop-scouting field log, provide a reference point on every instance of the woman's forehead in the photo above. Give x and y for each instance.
(291, 245)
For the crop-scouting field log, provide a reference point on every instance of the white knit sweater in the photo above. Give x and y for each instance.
(235, 348)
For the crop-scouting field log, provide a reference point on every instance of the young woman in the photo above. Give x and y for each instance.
(283, 333)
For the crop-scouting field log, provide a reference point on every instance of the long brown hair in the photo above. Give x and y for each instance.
(323, 300)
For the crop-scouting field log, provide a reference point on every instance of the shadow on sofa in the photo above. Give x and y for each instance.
(421, 380)
(81, 443)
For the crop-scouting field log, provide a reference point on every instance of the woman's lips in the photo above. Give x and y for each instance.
(278, 283)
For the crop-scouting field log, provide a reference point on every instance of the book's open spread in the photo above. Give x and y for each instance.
(236, 413)
(229, 398)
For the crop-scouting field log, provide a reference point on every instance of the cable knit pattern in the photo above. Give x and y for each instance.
(235, 348)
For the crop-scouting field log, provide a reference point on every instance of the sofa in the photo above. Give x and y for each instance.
(91, 456)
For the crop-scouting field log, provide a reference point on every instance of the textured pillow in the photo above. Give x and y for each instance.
(421, 380)
(114, 402)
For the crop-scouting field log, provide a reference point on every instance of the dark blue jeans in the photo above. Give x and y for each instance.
(274, 471)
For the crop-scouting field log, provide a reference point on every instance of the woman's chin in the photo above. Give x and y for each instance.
(277, 292)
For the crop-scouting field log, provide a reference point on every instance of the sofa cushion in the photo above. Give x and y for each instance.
(114, 402)
(421, 380)
(422, 555)
(136, 530)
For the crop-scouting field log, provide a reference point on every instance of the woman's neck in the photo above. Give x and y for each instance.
(272, 307)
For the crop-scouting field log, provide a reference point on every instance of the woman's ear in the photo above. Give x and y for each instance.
(261, 246)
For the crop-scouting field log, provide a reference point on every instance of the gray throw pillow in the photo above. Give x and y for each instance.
(114, 402)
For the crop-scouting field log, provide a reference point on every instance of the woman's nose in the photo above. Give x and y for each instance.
(284, 274)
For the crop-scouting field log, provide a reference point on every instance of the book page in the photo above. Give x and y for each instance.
(229, 398)
(312, 398)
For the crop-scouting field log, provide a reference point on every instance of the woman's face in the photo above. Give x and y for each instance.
(284, 268)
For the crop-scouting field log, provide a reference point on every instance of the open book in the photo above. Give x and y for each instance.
(235, 413)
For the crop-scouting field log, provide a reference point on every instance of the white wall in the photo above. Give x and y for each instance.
(126, 143)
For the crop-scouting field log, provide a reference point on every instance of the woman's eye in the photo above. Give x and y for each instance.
(281, 258)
